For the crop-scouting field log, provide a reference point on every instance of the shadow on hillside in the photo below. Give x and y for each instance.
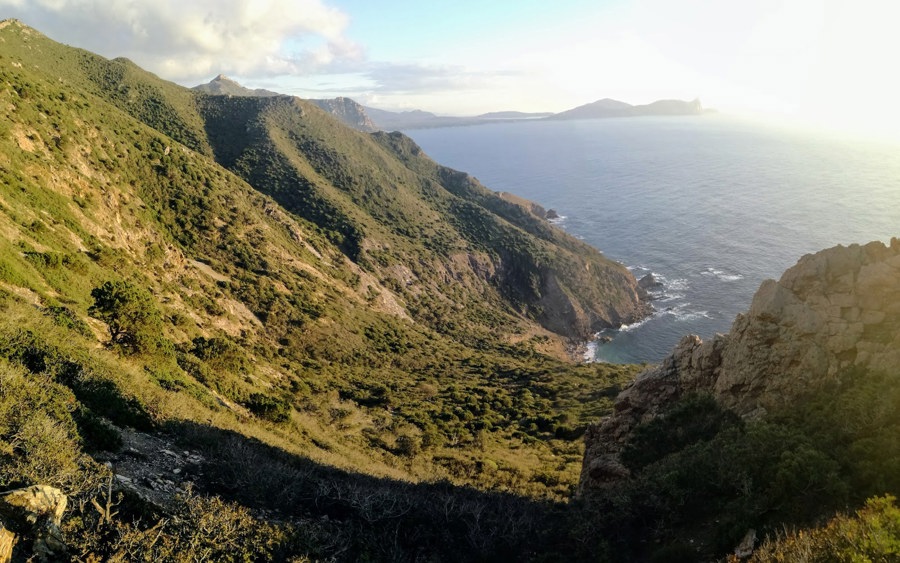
(353, 516)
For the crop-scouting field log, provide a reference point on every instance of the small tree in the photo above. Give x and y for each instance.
(135, 325)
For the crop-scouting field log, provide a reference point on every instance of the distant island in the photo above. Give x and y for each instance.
(371, 119)
(607, 107)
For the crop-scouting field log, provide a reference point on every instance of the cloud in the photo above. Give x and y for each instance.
(190, 40)
(422, 79)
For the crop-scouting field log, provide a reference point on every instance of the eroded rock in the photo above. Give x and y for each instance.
(834, 311)
(34, 512)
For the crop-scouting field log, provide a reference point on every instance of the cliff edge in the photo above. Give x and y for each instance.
(834, 312)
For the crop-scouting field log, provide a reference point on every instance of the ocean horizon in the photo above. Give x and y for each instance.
(710, 205)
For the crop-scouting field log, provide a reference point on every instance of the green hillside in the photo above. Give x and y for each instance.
(234, 329)
(327, 318)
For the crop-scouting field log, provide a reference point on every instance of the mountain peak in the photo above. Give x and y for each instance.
(221, 85)
(17, 23)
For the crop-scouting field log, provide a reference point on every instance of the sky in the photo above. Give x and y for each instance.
(829, 63)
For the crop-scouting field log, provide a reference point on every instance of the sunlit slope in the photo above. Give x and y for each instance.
(264, 320)
(426, 230)
(413, 225)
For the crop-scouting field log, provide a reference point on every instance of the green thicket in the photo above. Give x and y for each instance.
(346, 331)
(702, 477)
(871, 534)
(145, 287)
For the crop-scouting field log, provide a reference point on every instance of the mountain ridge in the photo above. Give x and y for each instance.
(369, 119)
(234, 328)
(607, 108)
(335, 296)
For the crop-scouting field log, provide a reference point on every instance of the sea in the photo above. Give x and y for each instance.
(710, 205)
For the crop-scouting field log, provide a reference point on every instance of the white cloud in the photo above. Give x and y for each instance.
(190, 40)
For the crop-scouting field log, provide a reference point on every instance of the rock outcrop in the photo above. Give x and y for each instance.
(349, 112)
(33, 513)
(221, 85)
(833, 312)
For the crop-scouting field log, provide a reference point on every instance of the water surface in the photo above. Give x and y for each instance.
(710, 205)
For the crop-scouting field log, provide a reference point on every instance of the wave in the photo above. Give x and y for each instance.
(667, 290)
(692, 316)
(721, 275)
(682, 313)
(590, 350)
(637, 324)
(558, 219)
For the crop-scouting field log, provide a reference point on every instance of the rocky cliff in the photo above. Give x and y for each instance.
(349, 112)
(834, 312)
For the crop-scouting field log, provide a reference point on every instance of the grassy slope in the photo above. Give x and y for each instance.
(381, 209)
(88, 194)
(365, 400)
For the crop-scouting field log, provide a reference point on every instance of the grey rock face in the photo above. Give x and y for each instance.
(833, 311)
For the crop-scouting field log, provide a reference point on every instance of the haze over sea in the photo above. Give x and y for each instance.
(711, 205)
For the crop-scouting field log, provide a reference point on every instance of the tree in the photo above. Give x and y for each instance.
(135, 325)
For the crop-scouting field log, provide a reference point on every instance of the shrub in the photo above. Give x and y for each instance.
(67, 318)
(872, 534)
(38, 438)
(131, 314)
(268, 408)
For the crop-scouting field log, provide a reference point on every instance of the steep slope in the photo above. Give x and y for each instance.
(563, 283)
(788, 417)
(835, 312)
(328, 340)
(385, 217)
(349, 112)
(392, 215)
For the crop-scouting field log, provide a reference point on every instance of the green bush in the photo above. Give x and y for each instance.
(38, 439)
(269, 408)
(872, 534)
(67, 318)
(130, 312)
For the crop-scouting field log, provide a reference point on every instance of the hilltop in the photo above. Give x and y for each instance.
(221, 85)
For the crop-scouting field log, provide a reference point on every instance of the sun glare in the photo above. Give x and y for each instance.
(851, 84)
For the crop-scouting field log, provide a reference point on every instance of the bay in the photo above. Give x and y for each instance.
(710, 205)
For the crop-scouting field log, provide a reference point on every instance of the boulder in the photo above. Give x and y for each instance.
(649, 283)
(33, 512)
(7, 542)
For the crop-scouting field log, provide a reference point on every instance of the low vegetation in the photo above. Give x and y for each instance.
(349, 337)
(703, 477)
